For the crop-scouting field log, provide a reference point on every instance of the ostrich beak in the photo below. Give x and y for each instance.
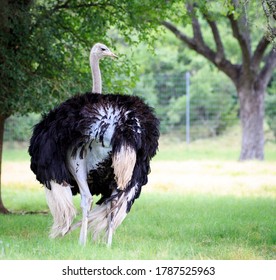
(112, 55)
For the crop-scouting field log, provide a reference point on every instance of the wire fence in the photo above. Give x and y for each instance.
(187, 108)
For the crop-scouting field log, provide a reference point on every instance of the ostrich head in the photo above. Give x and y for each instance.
(97, 52)
(100, 50)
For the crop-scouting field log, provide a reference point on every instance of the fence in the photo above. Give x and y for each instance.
(187, 108)
(190, 109)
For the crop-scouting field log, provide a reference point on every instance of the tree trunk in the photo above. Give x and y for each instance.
(3, 209)
(252, 119)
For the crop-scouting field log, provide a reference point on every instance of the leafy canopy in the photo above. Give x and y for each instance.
(44, 45)
(44, 48)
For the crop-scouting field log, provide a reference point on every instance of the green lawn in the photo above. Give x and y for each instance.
(200, 203)
(160, 226)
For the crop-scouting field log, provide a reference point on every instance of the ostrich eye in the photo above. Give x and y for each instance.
(103, 49)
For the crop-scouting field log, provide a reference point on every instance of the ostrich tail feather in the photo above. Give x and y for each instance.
(99, 218)
(123, 163)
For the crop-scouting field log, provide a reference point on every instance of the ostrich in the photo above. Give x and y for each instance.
(94, 144)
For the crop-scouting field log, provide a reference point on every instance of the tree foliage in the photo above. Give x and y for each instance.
(269, 8)
(44, 50)
(44, 46)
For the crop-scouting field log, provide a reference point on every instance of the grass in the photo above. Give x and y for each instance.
(200, 203)
(174, 227)
(225, 147)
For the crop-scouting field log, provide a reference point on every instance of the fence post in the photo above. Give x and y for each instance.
(187, 107)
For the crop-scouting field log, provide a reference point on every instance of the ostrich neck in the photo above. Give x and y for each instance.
(96, 75)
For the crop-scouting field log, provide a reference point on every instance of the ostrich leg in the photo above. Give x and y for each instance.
(78, 169)
(111, 213)
(86, 202)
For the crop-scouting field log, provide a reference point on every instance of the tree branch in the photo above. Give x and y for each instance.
(267, 70)
(195, 24)
(193, 43)
(180, 35)
(219, 45)
(224, 65)
(243, 42)
(269, 8)
(259, 52)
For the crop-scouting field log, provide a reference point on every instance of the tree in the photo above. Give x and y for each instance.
(250, 76)
(44, 46)
(30, 58)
